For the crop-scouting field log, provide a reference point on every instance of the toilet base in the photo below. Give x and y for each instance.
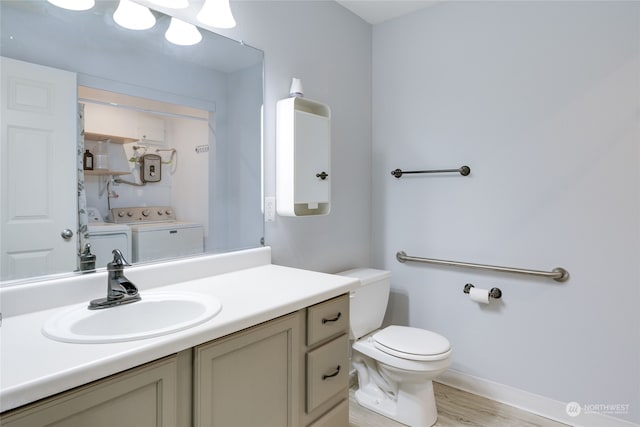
(414, 405)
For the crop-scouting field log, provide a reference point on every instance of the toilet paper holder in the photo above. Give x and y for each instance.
(494, 293)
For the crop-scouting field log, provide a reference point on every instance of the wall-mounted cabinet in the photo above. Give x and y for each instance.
(118, 123)
(122, 125)
(303, 157)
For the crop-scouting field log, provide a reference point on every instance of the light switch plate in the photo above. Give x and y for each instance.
(269, 209)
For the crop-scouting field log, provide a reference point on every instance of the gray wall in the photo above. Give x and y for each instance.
(541, 100)
(329, 48)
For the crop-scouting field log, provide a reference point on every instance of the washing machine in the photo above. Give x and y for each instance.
(104, 237)
(157, 234)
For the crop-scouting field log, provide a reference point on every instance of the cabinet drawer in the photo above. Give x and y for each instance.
(327, 319)
(327, 371)
(336, 417)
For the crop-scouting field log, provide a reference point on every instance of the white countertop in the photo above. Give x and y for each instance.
(33, 366)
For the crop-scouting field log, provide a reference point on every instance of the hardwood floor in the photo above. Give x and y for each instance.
(456, 408)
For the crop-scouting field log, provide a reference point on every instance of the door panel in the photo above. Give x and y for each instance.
(38, 170)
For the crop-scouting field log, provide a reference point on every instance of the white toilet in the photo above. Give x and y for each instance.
(395, 365)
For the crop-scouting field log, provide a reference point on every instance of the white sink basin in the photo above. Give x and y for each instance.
(158, 313)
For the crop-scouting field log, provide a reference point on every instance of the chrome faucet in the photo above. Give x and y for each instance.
(119, 289)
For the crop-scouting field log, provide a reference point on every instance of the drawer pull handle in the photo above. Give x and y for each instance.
(333, 319)
(331, 375)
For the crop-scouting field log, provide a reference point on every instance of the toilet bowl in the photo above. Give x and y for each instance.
(395, 365)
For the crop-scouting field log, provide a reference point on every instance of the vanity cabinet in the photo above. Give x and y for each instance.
(292, 371)
(288, 372)
(145, 396)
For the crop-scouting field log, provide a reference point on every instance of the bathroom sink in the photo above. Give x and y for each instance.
(158, 313)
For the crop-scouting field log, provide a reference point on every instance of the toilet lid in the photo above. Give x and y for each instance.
(411, 343)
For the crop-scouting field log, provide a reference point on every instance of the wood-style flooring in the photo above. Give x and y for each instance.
(456, 408)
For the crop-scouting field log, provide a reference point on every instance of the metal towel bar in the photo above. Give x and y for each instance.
(558, 274)
(462, 170)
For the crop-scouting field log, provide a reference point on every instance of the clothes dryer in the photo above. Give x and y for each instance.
(156, 234)
(104, 237)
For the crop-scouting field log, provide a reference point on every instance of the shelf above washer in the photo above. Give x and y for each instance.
(103, 172)
(113, 138)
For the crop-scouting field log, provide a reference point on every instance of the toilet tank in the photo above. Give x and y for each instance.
(368, 303)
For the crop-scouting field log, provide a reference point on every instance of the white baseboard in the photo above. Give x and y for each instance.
(529, 402)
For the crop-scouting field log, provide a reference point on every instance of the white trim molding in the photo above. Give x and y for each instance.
(536, 404)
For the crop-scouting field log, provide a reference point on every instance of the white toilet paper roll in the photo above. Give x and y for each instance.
(479, 295)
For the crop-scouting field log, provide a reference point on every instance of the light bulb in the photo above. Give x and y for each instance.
(217, 13)
(182, 33)
(73, 4)
(171, 4)
(133, 16)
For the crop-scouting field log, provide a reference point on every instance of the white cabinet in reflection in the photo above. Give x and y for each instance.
(303, 157)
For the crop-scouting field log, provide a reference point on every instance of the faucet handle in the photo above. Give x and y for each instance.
(118, 258)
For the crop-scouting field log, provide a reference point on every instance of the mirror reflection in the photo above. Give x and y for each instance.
(116, 138)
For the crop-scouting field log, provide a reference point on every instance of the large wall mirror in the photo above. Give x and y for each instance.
(122, 140)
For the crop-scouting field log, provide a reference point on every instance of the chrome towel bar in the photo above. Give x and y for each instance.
(558, 274)
(462, 170)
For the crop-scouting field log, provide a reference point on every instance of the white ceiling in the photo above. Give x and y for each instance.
(376, 11)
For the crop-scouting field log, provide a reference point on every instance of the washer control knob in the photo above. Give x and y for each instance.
(146, 212)
(168, 212)
(120, 214)
(160, 212)
(129, 214)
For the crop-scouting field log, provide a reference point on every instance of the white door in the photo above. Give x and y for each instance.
(38, 170)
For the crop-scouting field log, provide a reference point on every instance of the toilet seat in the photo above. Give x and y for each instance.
(367, 347)
(411, 343)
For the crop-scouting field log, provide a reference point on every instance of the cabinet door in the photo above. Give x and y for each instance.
(248, 379)
(312, 156)
(141, 397)
(106, 120)
(150, 128)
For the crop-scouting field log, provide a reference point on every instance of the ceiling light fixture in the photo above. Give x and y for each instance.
(133, 16)
(182, 33)
(73, 4)
(217, 13)
(171, 4)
